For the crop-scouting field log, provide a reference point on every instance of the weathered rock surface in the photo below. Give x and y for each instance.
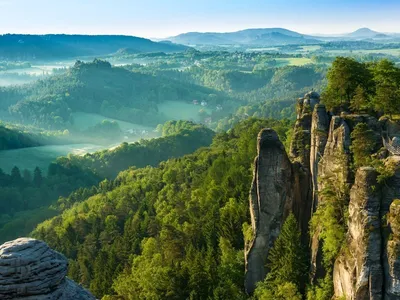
(390, 207)
(269, 197)
(319, 137)
(368, 266)
(392, 254)
(333, 166)
(358, 273)
(29, 269)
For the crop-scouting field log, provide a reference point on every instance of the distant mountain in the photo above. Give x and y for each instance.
(363, 33)
(58, 46)
(261, 36)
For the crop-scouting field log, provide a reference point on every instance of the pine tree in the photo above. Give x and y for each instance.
(287, 265)
(360, 101)
(16, 178)
(27, 176)
(37, 177)
(287, 258)
(363, 144)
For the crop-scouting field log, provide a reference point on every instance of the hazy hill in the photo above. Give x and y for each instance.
(98, 87)
(363, 33)
(262, 36)
(28, 47)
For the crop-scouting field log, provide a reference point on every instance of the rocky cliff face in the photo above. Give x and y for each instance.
(279, 187)
(368, 264)
(358, 272)
(269, 197)
(29, 269)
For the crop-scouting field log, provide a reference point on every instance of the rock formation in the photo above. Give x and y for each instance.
(358, 272)
(368, 265)
(29, 269)
(390, 210)
(269, 197)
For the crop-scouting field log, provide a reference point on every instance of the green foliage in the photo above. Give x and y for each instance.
(330, 219)
(14, 139)
(97, 87)
(344, 77)
(283, 291)
(171, 232)
(323, 290)
(360, 101)
(181, 137)
(287, 265)
(106, 129)
(387, 78)
(386, 170)
(362, 145)
(24, 193)
(362, 87)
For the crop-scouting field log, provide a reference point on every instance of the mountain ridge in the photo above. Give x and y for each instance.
(270, 37)
(58, 46)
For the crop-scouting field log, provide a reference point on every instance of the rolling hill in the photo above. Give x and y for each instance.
(261, 36)
(363, 33)
(61, 46)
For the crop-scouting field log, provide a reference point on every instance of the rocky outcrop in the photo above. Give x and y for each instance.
(300, 146)
(358, 273)
(29, 269)
(279, 187)
(270, 197)
(320, 165)
(392, 253)
(390, 209)
(319, 138)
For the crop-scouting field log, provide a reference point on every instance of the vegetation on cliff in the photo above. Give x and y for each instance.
(363, 87)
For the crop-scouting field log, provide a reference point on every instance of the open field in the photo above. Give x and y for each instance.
(309, 48)
(275, 49)
(176, 110)
(295, 61)
(83, 121)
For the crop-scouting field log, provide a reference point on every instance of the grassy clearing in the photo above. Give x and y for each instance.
(295, 61)
(262, 49)
(83, 121)
(310, 48)
(176, 110)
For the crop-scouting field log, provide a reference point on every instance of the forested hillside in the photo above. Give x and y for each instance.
(23, 191)
(14, 139)
(98, 87)
(173, 232)
(179, 138)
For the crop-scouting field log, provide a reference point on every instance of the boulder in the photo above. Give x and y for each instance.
(29, 269)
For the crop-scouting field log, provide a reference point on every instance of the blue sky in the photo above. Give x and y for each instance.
(162, 18)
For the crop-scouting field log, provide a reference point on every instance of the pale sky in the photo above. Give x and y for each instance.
(163, 18)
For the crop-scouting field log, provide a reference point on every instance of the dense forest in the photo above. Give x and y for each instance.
(98, 87)
(178, 230)
(168, 217)
(23, 191)
(175, 231)
(14, 139)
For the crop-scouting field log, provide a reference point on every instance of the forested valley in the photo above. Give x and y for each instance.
(155, 168)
